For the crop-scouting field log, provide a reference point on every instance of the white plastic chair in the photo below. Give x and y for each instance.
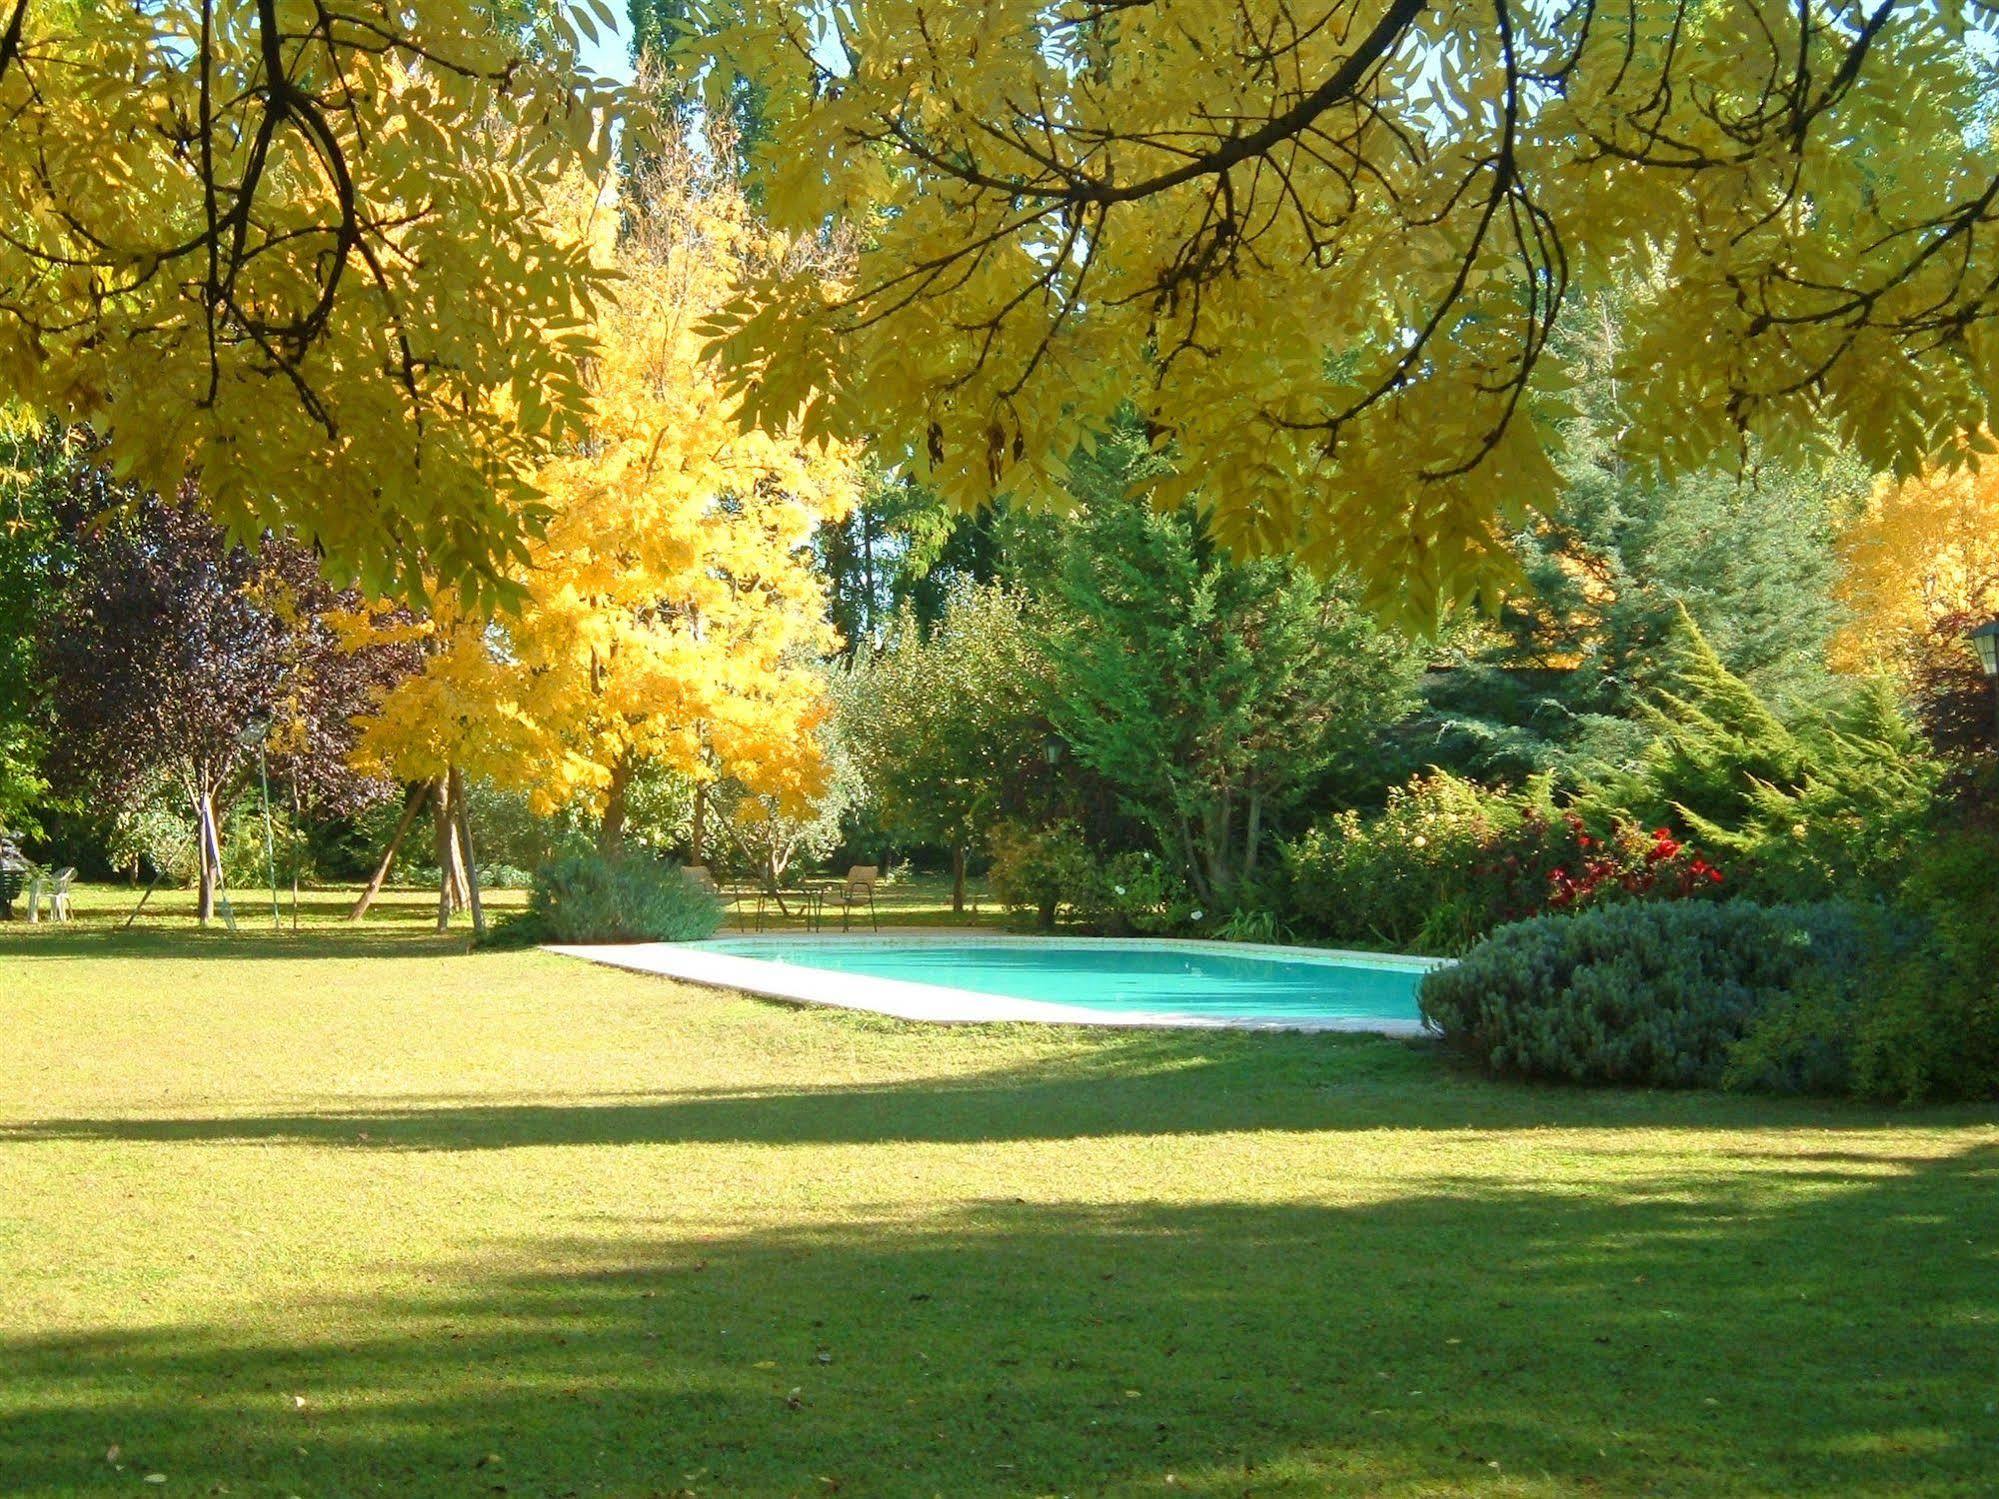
(53, 888)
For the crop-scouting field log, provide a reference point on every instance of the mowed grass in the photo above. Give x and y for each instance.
(902, 900)
(359, 1213)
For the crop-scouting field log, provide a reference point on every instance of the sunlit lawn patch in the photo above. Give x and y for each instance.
(349, 1214)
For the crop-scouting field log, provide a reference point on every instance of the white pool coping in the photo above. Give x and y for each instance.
(700, 963)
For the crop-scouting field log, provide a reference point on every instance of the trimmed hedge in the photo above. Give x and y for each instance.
(1652, 994)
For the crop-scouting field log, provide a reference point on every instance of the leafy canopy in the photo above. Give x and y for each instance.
(945, 726)
(1211, 697)
(672, 617)
(1323, 248)
(166, 653)
(1836, 802)
(1557, 677)
(306, 252)
(1922, 550)
(1919, 569)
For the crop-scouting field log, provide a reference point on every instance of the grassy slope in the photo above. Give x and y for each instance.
(354, 1213)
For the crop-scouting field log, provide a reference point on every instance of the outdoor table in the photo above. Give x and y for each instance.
(809, 900)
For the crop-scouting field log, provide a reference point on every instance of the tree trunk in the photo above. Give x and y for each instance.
(454, 846)
(461, 881)
(445, 846)
(463, 817)
(1254, 835)
(958, 880)
(208, 850)
(698, 835)
(1196, 875)
(611, 831)
(414, 796)
(204, 884)
(298, 852)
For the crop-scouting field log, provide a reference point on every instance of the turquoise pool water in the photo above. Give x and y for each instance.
(1194, 980)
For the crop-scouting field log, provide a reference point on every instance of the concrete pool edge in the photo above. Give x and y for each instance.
(696, 963)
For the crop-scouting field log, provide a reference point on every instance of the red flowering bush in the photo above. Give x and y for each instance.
(1628, 863)
(1447, 861)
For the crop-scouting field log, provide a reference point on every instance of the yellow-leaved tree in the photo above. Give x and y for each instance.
(305, 252)
(672, 616)
(1923, 551)
(1919, 570)
(1322, 246)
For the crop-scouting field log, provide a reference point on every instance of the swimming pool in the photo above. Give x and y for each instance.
(1079, 980)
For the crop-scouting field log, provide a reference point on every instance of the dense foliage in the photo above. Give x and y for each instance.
(1211, 697)
(1325, 247)
(1834, 800)
(1751, 555)
(671, 617)
(945, 724)
(1053, 876)
(1447, 861)
(169, 656)
(1657, 995)
(33, 547)
(313, 256)
(1125, 687)
(807, 507)
(622, 898)
(1917, 1018)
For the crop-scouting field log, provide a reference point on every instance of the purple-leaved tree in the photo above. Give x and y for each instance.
(169, 648)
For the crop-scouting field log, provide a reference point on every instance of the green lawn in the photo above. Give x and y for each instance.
(919, 900)
(356, 1213)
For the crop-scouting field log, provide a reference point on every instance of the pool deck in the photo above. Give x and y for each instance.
(695, 964)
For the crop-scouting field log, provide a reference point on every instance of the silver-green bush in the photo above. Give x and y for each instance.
(1653, 994)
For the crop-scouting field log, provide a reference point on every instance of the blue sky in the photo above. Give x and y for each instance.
(612, 53)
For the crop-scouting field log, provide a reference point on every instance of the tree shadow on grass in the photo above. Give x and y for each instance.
(1724, 1332)
(1158, 1083)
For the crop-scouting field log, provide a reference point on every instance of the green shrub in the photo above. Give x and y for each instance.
(1425, 874)
(1038, 872)
(634, 898)
(1649, 993)
(1051, 875)
(491, 876)
(1916, 1019)
(1833, 802)
(1447, 861)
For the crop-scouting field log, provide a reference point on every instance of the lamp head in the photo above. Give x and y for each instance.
(1985, 641)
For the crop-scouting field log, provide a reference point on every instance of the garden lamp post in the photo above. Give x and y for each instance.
(253, 736)
(1985, 641)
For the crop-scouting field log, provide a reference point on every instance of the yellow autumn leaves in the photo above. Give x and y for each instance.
(308, 255)
(1332, 298)
(1923, 553)
(672, 616)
